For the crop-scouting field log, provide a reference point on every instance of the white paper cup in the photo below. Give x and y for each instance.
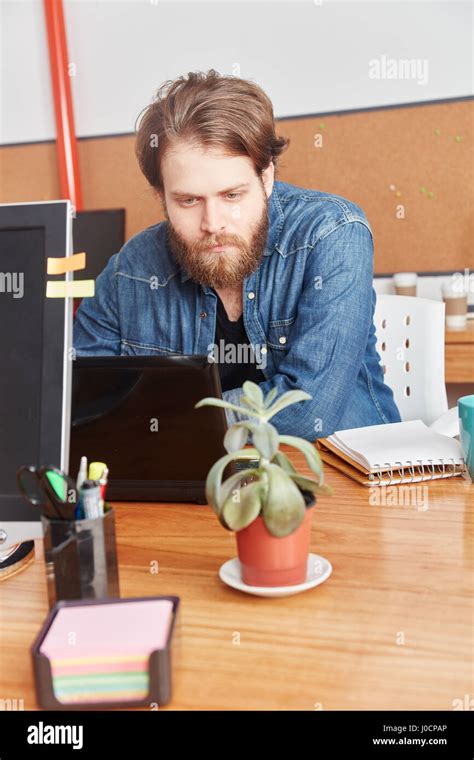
(455, 300)
(405, 283)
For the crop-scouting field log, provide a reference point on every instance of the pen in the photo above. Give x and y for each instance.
(79, 511)
(103, 486)
(99, 471)
(90, 495)
(82, 474)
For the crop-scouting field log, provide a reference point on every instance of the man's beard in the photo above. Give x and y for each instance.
(220, 269)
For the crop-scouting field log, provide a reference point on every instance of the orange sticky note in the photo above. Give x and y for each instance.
(66, 264)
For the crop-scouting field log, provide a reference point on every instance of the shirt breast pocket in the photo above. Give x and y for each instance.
(137, 348)
(279, 333)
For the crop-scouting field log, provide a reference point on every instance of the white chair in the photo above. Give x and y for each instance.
(410, 343)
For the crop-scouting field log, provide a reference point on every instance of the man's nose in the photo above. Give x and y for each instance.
(212, 219)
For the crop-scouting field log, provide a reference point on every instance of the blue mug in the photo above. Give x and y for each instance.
(466, 431)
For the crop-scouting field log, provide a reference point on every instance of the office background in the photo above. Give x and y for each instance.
(400, 147)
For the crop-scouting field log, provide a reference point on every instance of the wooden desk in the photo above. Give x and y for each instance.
(400, 574)
(459, 354)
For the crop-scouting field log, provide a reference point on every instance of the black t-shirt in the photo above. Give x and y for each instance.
(239, 364)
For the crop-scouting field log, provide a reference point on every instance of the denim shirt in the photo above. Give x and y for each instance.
(307, 309)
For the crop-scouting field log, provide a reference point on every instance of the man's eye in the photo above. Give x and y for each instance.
(185, 201)
(235, 196)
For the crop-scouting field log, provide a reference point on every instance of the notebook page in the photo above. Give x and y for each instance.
(404, 442)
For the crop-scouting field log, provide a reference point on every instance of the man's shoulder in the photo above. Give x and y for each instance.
(146, 254)
(312, 214)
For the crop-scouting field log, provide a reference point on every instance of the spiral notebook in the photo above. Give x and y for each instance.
(399, 452)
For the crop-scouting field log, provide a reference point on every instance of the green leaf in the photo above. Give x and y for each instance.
(236, 436)
(214, 477)
(225, 405)
(308, 484)
(254, 393)
(309, 450)
(265, 438)
(283, 461)
(325, 490)
(284, 506)
(269, 398)
(238, 514)
(232, 484)
(288, 398)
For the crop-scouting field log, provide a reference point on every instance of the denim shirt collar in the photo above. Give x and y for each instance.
(275, 224)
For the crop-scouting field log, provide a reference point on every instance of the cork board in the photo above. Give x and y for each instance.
(380, 159)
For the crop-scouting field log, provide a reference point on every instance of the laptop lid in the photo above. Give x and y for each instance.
(136, 414)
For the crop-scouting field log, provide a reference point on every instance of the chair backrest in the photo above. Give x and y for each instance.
(410, 343)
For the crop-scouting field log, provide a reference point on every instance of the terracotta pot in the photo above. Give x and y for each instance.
(266, 560)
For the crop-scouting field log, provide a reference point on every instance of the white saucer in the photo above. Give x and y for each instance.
(319, 569)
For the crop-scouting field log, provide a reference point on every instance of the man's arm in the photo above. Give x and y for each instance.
(96, 325)
(329, 335)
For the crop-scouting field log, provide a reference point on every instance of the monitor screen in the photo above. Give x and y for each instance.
(22, 287)
(35, 338)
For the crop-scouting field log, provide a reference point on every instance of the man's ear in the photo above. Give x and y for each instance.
(161, 197)
(268, 178)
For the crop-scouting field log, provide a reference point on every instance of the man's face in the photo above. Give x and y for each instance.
(213, 199)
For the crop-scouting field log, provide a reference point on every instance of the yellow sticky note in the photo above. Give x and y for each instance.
(66, 264)
(63, 289)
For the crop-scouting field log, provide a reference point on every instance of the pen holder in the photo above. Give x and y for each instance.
(81, 558)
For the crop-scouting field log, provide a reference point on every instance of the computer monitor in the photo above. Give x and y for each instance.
(35, 359)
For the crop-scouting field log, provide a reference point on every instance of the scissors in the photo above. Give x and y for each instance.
(48, 488)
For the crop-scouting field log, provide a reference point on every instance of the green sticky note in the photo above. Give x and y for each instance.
(458, 138)
(430, 195)
(422, 189)
(437, 132)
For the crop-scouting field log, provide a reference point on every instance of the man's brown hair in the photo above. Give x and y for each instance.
(209, 110)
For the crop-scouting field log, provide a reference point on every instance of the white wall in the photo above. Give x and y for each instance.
(309, 57)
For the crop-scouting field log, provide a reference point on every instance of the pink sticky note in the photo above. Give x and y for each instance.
(109, 630)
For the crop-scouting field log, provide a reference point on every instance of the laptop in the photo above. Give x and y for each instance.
(136, 414)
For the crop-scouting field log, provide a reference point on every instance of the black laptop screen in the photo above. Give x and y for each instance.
(137, 415)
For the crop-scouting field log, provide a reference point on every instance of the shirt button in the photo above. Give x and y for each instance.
(263, 350)
(251, 295)
(203, 314)
(282, 339)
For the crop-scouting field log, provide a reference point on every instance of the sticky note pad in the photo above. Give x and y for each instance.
(100, 652)
(63, 289)
(66, 264)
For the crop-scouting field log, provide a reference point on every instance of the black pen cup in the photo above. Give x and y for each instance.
(81, 558)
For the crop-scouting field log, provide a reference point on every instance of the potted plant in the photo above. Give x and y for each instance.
(270, 507)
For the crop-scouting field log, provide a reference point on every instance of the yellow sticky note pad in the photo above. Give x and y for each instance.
(63, 289)
(66, 264)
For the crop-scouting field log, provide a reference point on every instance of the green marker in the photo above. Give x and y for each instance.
(58, 483)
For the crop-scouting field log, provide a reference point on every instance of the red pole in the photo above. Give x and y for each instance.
(66, 145)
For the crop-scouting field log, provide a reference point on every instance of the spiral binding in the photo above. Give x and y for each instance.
(413, 470)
